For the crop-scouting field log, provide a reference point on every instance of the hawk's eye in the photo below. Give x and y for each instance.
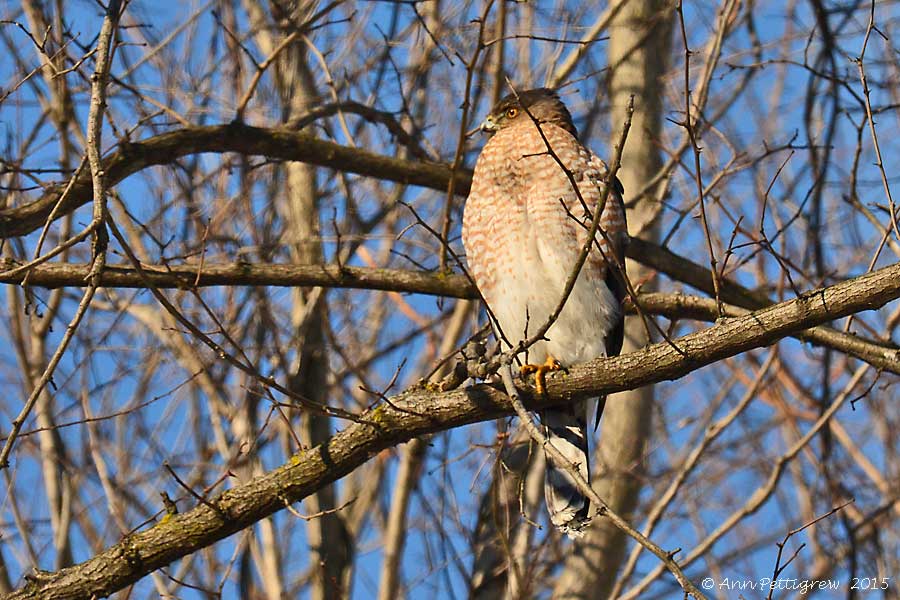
(511, 113)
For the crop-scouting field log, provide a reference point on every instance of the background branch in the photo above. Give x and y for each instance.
(418, 412)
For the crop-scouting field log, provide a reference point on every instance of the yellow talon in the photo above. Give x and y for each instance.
(432, 386)
(540, 373)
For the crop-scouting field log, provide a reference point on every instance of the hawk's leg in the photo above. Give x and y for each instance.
(540, 373)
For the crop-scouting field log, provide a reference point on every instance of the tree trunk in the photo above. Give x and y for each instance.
(331, 551)
(638, 57)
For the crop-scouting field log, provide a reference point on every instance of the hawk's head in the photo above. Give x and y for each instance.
(542, 105)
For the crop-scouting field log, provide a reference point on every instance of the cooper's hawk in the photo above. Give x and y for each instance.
(523, 229)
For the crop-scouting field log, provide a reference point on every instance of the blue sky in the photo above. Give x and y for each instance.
(107, 357)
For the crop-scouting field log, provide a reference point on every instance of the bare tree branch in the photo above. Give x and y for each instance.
(274, 143)
(418, 411)
(674, 306)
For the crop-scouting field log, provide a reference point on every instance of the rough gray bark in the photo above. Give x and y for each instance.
(418, 411)
(640, 35)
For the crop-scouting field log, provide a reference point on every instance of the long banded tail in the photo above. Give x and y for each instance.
(566, 429)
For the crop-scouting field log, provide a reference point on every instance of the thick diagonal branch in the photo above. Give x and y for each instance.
(418, 411)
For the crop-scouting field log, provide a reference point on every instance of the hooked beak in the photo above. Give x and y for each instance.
(488, 125)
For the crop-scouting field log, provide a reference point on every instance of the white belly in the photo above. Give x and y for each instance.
(524, 297)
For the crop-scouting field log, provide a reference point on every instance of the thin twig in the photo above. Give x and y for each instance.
(688, 125)
(779, 568)
(585, 487)
(687, 467)
(100, 241)
(260, 70)
(461, 140)
(758, 497)
(319, 514)
(879, 162)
